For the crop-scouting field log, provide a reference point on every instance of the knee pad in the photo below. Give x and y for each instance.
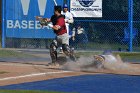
(55, 43)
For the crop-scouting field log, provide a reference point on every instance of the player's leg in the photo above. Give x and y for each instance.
(69, 51)
(53, 51)
(67, 27)
(63, 39)
(65, 47)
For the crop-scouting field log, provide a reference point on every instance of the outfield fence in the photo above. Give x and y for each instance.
(117, 30)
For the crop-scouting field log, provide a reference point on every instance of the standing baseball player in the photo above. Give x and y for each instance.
(68, 17)
(62, 39)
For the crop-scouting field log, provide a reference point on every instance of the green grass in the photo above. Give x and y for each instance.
(86, 54)
(4, 53)
(2, 72)
(106, 45)
(13, 53)
(130, 56)
(26, 91)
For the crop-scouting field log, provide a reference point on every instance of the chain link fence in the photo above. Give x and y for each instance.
(104, 35)
(95, 36)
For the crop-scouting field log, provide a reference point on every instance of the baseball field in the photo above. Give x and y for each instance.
(26, 71)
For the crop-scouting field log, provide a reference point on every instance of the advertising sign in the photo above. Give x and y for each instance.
(20, 19)
(86, 8)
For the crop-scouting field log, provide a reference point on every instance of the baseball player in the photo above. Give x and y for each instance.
(105, 57)
(68, 17)
(62, 39)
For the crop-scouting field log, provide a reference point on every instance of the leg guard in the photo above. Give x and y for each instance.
(53, 51)
(69, 52)
(66, 49)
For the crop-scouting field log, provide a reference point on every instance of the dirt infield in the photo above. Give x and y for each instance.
(16, 73)
(20, 73)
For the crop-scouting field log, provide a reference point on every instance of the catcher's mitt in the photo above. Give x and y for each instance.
(42, 21)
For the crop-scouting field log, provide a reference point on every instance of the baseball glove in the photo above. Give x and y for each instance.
(42, 21)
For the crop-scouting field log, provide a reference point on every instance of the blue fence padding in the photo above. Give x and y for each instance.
(21, 24)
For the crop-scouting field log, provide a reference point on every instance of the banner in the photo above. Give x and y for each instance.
(86, 8)
(20, 19)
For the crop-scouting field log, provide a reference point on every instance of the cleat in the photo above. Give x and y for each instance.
(50, 64)
(56, 64)
(72, 56)
(53, 65)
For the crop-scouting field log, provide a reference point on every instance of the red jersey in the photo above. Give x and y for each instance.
(60, 22)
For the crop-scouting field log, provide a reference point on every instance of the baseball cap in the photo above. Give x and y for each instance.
(65, 6)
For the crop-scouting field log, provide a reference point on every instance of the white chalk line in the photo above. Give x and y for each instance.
(32, 75)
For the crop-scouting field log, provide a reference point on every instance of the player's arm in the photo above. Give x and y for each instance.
(58, 25)
(70, 20)
(55, 27)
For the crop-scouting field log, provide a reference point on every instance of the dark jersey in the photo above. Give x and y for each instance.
(59, 20)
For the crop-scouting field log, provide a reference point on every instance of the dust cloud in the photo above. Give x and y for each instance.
(112, 64)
